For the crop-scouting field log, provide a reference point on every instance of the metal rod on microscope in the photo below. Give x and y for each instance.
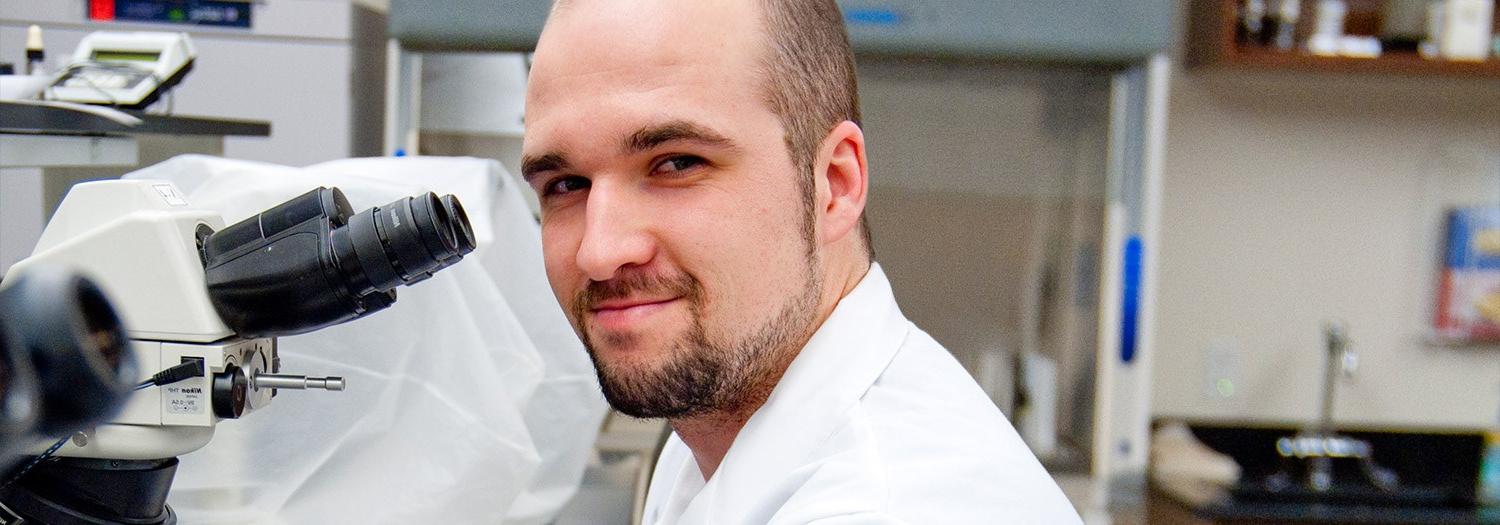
(295, 382)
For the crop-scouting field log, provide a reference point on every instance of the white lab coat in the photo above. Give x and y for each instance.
(874, 422)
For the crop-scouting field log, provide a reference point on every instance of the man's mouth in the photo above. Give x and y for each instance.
(622, 314)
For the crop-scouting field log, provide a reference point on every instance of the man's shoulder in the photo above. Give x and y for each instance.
(925, 388)
(926, 442)
(925, 409)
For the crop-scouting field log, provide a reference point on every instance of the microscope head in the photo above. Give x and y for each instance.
(312, 262)
(193, 294)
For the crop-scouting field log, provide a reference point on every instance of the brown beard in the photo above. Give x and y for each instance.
(699, 375)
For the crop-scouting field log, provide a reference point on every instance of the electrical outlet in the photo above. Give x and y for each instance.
(1221, 369)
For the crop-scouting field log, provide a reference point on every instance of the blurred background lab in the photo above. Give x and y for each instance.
(1219, 261)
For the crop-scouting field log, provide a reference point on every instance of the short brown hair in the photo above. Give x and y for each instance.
(809, 82)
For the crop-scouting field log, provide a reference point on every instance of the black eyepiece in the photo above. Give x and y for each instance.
(416, 235)
(310, 263)
(61, 324)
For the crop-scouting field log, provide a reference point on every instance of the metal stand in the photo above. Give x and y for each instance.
(79, 491)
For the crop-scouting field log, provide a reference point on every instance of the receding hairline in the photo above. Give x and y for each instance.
(761, 10)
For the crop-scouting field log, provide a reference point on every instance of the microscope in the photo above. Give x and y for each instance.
(201, 304)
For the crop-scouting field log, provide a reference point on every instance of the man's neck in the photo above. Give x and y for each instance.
(710, 435)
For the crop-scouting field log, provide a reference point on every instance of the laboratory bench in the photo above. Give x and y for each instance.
(1194, 502)
(46, 148)
(38, 118)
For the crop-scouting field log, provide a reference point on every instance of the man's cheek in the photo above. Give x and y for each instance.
(559, 277)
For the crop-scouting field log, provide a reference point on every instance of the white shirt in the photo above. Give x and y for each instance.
(874, 422)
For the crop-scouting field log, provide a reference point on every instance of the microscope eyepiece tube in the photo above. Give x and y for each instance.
(405, 241)
(311, 262)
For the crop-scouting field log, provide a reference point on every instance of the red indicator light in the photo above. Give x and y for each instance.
(103, 10)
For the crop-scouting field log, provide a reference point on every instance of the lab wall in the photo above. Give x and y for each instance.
(1292, 199)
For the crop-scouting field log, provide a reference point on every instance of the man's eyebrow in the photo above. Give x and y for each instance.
(531, 165)
(656, 135)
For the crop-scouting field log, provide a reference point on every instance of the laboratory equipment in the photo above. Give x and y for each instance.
(1287, 14)
(196, 294)
(36, 54)
(1330, 28)
(268, 70)
(1467, 29)
(1252, 22)
(125, 69)
(64, 363)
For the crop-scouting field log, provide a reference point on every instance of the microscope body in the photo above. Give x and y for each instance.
(201, 304)
(138, 241)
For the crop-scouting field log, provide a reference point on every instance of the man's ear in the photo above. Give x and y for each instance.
(842, 177)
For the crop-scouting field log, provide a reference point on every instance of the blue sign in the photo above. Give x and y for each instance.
(217, 13)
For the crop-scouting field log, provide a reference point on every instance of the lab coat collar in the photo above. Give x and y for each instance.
(838, 365)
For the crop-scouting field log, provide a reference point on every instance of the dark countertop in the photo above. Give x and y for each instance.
(1212, 503)
(34, 118)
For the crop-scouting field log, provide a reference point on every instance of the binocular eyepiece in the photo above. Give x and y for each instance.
(65, 360)
(311, 262)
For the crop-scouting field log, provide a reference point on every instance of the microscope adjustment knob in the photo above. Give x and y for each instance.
(230, 390)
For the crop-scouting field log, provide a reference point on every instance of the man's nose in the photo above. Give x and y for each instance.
(616, 232)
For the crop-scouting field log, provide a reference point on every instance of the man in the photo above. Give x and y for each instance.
(702, 179)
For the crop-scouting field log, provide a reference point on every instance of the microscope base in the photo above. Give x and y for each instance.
(78, 491)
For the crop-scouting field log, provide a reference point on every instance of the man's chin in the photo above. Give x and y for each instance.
(639, 389)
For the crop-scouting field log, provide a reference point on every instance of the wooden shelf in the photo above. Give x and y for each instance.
(1389, 63)
(1211, 43)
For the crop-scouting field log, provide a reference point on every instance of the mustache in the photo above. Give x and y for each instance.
(636, 283)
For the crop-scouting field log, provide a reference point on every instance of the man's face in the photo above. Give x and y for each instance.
(675, 233)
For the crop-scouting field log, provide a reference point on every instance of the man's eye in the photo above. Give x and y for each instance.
(564, 185)
(675, 165)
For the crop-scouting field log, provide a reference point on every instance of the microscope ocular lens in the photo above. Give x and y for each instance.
(462, 232)
(75, 344)
(101, 326)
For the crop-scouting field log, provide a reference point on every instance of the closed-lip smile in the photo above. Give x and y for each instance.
(627, 313)
(625, 304)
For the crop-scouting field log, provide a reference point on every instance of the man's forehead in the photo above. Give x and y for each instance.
(590, 36)
(719, 13)
(614, 63)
